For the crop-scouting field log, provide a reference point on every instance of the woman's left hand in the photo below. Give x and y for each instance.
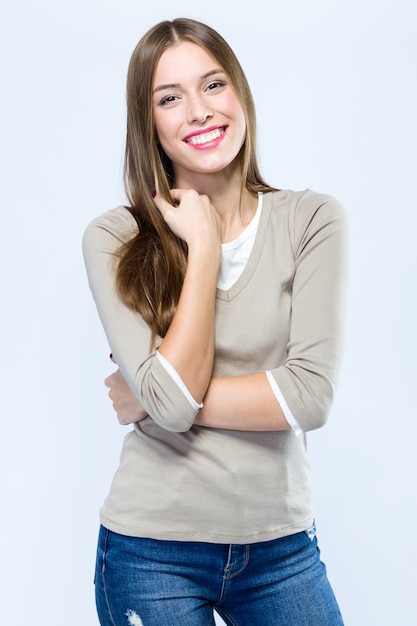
(127, 406)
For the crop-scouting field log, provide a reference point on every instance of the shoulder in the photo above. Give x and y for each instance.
(307, 215)
(307, 208)
(113, 227)
(303, 205)
(118, 222)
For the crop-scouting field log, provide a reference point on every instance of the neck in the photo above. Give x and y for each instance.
(235, 206)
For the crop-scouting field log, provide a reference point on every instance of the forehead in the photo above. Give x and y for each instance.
(183, 61)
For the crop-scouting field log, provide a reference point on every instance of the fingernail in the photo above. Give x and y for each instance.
(153, 193)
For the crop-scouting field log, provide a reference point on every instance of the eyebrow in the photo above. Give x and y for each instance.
(177, 85)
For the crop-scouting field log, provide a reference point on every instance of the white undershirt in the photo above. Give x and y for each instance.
(235, 255)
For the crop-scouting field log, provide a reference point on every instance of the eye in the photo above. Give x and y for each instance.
(216, 85)
(168, 100)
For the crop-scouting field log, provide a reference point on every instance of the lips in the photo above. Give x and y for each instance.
(202, 138)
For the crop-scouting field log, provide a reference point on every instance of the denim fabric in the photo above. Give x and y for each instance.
(148, 582)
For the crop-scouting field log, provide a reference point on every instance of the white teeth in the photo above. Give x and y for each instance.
(197, 140)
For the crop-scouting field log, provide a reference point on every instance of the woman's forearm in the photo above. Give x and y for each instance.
(242, 403)
(189, 342)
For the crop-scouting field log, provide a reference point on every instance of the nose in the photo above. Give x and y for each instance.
(199, 112)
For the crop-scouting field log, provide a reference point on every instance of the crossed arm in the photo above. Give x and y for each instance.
(247, 402)
(229, 403)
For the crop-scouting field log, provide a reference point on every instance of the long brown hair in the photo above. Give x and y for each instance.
(152, 264)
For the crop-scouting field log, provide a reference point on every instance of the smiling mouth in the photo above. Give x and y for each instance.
(198, 140)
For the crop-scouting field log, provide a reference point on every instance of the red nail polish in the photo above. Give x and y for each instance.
(153, 193)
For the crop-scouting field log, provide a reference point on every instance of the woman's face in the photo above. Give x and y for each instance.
(198, 118)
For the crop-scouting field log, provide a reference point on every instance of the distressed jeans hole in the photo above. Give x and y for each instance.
(133, 618)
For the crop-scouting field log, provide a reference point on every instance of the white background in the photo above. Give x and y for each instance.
(334, 83)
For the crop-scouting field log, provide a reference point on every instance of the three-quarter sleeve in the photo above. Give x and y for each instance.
(127, 333)
(318, 232)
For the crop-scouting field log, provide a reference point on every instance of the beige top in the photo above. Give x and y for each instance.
(284, 314)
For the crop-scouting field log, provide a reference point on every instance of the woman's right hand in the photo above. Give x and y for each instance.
(127, 407)
(193, 218)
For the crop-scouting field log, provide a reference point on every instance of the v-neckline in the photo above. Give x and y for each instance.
(244, 278)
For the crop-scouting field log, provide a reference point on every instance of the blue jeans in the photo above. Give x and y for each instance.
(148, 582)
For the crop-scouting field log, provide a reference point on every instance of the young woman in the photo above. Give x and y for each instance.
(222, 302)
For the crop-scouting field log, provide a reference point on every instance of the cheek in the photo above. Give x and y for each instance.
(166, 132)
(241, 129)
(160, 122)
(237, 112)
(167, 146)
